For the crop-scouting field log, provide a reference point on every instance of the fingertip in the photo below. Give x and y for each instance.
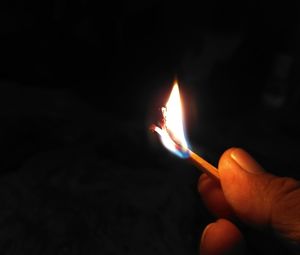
(213, 197)
(221, 237)
(243, 182)
(203, 179)
(246, 161)
(205, 236)
(226, 156)
(241, 158)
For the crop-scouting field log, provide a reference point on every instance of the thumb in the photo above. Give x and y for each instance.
(259, 198)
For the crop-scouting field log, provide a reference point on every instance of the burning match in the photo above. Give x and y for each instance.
(171, 132)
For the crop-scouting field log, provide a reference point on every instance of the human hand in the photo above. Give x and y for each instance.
(249, 194)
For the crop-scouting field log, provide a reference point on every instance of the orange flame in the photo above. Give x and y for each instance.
(172, 129)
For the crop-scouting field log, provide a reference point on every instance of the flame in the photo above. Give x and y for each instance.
(172, 129)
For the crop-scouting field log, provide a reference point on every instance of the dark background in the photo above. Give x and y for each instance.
(80, 82)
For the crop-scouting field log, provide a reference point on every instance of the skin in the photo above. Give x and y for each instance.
(248, 194)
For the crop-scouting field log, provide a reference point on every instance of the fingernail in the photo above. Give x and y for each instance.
(205, 232)
(245, 161)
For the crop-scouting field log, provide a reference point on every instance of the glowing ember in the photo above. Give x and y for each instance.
(172, 131)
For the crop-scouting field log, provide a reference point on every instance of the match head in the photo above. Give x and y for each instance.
(170, 143)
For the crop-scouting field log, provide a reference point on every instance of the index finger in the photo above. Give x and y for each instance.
(213, 197)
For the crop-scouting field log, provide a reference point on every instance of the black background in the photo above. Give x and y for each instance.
(80, 83)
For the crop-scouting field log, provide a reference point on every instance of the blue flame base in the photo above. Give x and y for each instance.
(182, 154)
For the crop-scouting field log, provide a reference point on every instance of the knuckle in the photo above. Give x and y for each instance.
(286, 208)
(286, 186)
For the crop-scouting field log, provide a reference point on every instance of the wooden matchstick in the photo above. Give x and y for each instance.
(204, 166)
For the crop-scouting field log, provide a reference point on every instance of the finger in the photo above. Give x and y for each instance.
(259, 198)
(221, 237)
(213, 197)
(243, 189)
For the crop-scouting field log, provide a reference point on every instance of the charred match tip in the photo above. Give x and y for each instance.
(152, 128)
(198, 161)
